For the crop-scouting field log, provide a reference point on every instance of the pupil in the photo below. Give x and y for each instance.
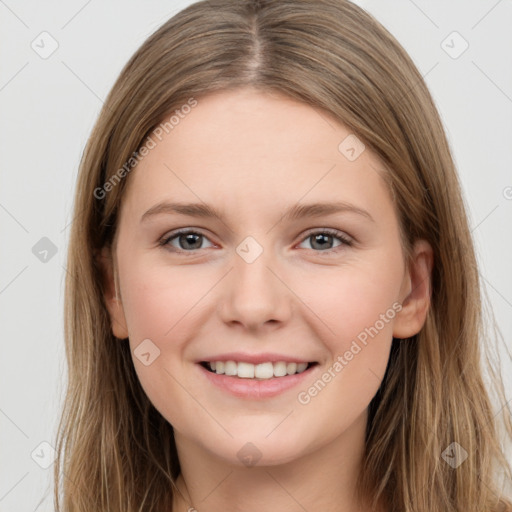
(189, 239)
(319, 238)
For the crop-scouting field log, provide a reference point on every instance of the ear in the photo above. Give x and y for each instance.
(416, 292)
(111, 293)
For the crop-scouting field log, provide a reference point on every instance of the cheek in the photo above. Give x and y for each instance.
(359, 304)
(162, 304)
(160, 301)
(359, 310)
(165, 305)
(353, 299)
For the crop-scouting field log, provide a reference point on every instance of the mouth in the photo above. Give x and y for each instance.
(257, 372)
(260, 381)
(256, 376)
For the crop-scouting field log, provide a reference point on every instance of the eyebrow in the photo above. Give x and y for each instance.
(295, 212)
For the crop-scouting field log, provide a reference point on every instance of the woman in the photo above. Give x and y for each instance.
(267, 368)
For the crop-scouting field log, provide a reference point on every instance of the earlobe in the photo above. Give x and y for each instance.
(417, 285)
(111, 293)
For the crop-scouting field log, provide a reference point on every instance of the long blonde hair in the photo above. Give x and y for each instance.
(115, 451)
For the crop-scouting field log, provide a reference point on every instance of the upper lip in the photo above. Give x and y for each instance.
(255, 358)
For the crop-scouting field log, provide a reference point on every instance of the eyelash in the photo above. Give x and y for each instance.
(345, 241)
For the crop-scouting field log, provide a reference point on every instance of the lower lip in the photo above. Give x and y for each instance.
(256, 389)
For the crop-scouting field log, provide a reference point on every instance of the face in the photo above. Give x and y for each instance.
(265, 286)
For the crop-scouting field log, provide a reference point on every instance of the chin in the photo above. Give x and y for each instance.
(256, 451)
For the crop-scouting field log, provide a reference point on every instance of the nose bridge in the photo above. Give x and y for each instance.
(255, 294)
(252, 267)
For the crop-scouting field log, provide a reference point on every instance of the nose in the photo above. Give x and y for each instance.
(255, 295)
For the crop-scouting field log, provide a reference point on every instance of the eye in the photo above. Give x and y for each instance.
(322, 240)
(187, 240)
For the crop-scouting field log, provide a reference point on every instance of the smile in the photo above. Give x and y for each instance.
(258, 381)
(262, 371)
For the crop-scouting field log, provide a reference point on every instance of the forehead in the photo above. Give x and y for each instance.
(248, 146)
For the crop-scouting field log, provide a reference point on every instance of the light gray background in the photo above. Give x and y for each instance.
(49, 107)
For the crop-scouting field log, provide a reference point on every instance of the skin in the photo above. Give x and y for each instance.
(254, 154)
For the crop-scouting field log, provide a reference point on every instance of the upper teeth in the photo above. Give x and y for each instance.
(258, 371)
